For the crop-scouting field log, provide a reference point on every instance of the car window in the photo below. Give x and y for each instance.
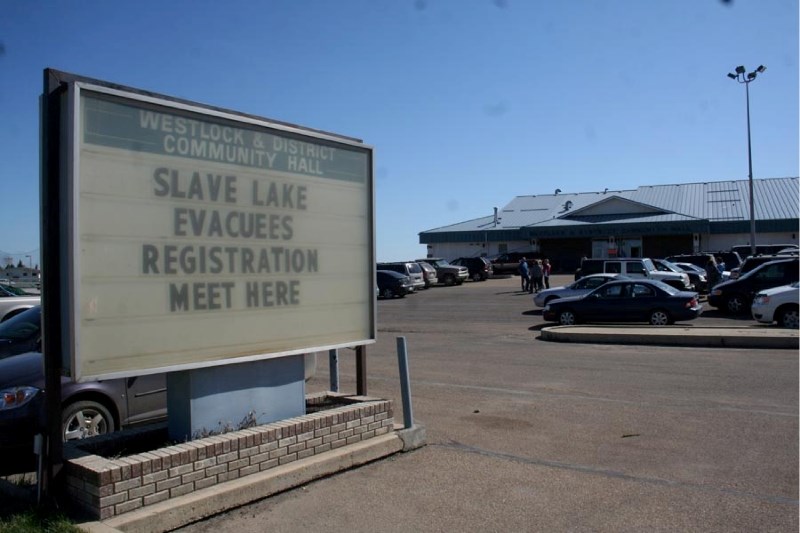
(635, 268)
(414, 268)
(613, 291)
(593, 283)
(613, 267)
(639, 290)
(770, 273)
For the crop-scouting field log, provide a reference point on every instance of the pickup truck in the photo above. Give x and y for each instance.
(14, 300)
(445, 272)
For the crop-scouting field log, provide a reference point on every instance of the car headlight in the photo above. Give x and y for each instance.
(761, 299)
(16, 397)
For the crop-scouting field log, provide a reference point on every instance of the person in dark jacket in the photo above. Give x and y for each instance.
(712, 273)
(536, 276)
(524, 274)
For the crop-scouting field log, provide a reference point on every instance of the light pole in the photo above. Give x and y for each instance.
(741, 77)
(30, 261)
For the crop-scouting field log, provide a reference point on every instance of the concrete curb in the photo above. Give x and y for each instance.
(201, 504)
(708, 337)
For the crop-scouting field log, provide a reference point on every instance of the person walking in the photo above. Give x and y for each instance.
(536, 276)
(524, 274)
(546, 268)
(712, 273)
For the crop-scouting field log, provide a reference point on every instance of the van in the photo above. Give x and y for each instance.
(407, 268)
(633, 268)
(735, 296)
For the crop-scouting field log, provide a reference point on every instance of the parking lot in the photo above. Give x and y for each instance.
(528, 435)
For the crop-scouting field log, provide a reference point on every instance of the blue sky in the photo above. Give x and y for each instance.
(468, 103)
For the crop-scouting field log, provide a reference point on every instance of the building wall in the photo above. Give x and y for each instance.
(451, 250)
(726, 241)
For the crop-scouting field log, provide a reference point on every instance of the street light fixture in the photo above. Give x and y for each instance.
(740, 77)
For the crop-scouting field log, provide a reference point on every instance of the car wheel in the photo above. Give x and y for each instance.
(449, 280)
(86, 419)
(787, 318)
(387, 293)
(659, 317)
(736, 304)
(476, 277)
(567, 318)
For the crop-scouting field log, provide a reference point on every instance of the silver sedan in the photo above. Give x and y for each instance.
(577, 288)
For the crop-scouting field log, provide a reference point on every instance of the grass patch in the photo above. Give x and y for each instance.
(27, 519)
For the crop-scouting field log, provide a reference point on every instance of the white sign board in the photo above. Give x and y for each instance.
(203, 237)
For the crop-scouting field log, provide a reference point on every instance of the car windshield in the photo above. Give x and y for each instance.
(688, 267)
(22, 326)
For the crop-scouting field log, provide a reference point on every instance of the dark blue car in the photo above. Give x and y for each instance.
(88, 409)
(637, 300)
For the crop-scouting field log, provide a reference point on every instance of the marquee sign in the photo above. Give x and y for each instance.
(201, 237)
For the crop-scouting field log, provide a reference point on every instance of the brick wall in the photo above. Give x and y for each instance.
(106, 487)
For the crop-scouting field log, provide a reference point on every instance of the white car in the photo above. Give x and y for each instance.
(778, 304)
(583, 286)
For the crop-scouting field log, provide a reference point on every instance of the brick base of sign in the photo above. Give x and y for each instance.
(110, 475)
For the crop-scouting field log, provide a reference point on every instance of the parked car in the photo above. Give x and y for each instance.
(90, 408)
(480, 268)
(428, 274)
(14, 300)
(753, 261)
(445, 272)
(732, 259)
(634, 268)
(640, 300)
(697, 276)
(577, 288)
(665, 266)
(778, 304)
(700, 260)
(407, 268)
(735, 296)
(391, 284)
(21, 333)
(508, 263)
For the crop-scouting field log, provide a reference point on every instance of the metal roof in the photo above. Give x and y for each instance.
(714, 201)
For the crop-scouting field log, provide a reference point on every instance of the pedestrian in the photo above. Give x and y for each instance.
(536, 276)
(524, 274)
(712, 273)
(546, 268)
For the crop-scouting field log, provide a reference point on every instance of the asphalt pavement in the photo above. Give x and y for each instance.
(526, 431)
